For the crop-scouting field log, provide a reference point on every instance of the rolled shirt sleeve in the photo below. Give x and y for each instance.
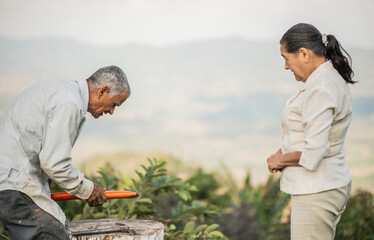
(317, 116)
(63, 124)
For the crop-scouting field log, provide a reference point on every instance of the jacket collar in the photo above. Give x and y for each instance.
(83, 89)
(324, 67)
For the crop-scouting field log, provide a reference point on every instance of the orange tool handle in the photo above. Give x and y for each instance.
(109, 194)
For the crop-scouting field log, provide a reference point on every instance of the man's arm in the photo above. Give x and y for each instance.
(61, 129)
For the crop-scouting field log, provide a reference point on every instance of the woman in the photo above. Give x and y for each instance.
(314, 124)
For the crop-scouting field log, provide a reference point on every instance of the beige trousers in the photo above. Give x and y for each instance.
(315, 216)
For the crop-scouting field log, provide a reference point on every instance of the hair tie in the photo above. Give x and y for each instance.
(324, 40)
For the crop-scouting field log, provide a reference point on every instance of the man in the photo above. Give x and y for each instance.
(37, 134)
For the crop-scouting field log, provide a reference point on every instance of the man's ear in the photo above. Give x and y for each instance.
(103, 91)
(304, 54)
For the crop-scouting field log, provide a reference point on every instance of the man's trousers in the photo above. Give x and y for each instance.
(23, 219)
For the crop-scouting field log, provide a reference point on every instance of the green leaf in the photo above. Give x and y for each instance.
(193, 188)
(113, 201)
(184, 195)
(151, 162)
(216, 234)
(211, 227)
(200, 228)
(77, 217)
(99, 215)
(131, 205)
(145, 200)
(139, 174)
(121, 213)
(196, 203)
(86, 210)
(189, 227)
(201, 218)
(172, 227)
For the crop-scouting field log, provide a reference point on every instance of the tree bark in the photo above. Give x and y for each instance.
(115, 229)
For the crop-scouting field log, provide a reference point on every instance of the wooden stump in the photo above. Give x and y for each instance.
(108, 229)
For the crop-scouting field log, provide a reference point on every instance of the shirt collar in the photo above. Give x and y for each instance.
(324, 67)
(83, 89)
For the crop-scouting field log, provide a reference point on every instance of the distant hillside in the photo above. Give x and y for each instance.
(223, 69)
(234, 65)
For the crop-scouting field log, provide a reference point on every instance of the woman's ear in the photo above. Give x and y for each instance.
(304, 54)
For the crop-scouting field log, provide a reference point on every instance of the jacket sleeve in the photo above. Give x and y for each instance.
(62, 126)
(318, 112)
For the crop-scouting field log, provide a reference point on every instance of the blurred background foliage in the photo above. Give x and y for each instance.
(210, 205)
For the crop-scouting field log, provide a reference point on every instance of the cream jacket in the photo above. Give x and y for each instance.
(315, 121)
(37, 134)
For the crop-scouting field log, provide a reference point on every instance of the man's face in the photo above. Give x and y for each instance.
(101, 103)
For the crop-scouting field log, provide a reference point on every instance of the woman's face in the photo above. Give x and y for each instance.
(295, 63)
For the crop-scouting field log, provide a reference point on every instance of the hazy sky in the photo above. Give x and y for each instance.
(156, 22)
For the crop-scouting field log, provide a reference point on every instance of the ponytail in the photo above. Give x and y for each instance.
(307, 36)
(340, 62)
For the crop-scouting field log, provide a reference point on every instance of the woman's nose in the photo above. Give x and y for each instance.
(286, 66)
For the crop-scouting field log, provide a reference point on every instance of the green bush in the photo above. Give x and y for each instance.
(208, 186)
(357, 220)
(185, 218)
(258, 213)
(203, 208)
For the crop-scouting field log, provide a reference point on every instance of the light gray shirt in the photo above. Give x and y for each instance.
(37, 134)
(315, 122)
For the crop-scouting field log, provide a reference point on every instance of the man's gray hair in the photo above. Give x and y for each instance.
(113, 77)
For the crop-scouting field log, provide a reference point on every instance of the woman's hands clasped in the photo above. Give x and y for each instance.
(274, 162)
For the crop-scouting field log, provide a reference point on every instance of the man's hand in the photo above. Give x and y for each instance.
(97, 197)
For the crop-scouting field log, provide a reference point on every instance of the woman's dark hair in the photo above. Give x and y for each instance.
(307, 36)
